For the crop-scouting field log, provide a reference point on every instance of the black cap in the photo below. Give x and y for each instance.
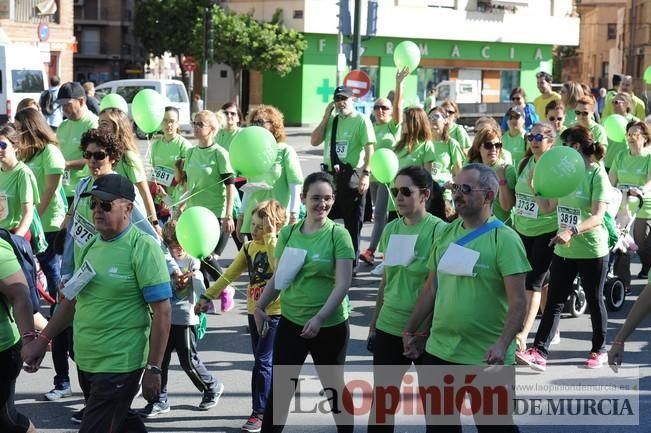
(343, 91)
(70, 90)
(110, 187)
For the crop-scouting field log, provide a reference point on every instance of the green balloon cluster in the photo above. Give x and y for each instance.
(198, 231)
(384, 165)
(406, 55)
(148, 110)
(647, 75)
(615, 126)
(558, 172)
(253, 151)
(113, 100)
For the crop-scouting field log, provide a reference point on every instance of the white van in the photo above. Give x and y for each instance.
(22, 75)
(173, 90)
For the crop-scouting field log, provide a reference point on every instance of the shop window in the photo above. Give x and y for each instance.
(428, 78)
(508, 81)
(373, 74)
(612, 31)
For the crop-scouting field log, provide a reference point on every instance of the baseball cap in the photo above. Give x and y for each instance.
(110, 187)
(514, 112)
(343, 91)
(70, 90)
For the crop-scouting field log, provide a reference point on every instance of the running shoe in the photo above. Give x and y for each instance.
(153, 409)
(532, 358)
(60, 391)
(367, 256)
(253, 424)
(77, 416)
(378, 271)
(211, 398)
(596, 360)
(227, 300)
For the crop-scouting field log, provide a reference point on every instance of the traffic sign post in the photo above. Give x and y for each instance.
(189, 64)
(358, 81)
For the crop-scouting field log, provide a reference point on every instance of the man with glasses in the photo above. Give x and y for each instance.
(79, 119)
(544, 83)
(476, 294)
(585, 107)
(347, 155)
(121, 312)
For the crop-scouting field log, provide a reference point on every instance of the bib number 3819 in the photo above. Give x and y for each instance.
(568, 217)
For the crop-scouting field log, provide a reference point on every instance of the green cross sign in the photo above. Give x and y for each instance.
(325, 90)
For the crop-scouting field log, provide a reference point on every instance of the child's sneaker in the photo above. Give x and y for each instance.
(227, 299)
(596, 360)
(532, 358)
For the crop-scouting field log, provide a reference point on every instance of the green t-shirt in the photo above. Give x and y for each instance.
(528, 218)
(17, 187)
(634, 171)
(616, 147)
(314, 283)
(353, 134)
(130, 166)
(164, 155)
(49, 162)
(469, 312)
(9, 334)
(285, 171)
(577, 207)
(69, 137)
(112, 316)
(224, 137)
(517, 146)
(460, 134)
(446, 156)
(421, 154)
(387, 134)
(570, 117)
(510, 174)
(204, 167)
(403, 283)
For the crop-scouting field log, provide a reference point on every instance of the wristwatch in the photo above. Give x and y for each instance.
(154, 369)
(574, 230)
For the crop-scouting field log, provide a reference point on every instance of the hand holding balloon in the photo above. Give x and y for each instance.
(406, 55)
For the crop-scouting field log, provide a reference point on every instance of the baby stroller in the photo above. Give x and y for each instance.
(615, 289)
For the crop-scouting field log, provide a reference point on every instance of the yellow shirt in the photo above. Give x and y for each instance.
(541, 102)
(261, 264)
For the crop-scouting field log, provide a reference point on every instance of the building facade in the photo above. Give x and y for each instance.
(500, 44)
(107, 47)
(47, 25)
(636, 48)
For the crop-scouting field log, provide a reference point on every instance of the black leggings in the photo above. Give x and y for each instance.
(290, 349)
(11, 421)
(539, 254)
(593, 274)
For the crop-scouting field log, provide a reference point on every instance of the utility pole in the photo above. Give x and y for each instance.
(357, 34)
(208, 52)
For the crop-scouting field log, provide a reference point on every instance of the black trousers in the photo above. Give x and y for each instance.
(539, 254)
(62, 348)
(349, 205)
(327, 348)
(109, 397)
(11, 421)
(183, 340)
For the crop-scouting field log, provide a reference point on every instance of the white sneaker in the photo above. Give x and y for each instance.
(378, 270)
(557, 337)
(58, 392)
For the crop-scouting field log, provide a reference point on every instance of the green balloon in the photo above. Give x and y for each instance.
(558, 172)
(615, 126)
(406, 54)
(647, 75)
(253, 151)
(384, 165)
(198, 231)
(113, 100)
(148, 110)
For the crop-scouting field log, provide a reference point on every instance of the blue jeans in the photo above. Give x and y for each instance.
(51, 265)
(263, 348)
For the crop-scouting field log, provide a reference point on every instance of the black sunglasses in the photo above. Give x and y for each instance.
(199, 124)
(98, 156)
(3, 145)
(464, 188)
(381, 107)
(551, 119)
(405, 191)
(582, 113)
(490, 146)
(106, 206)
(260, 122)
(537, 137)
(516, 98)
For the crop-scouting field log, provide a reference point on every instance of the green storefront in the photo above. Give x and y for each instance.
(303, 94)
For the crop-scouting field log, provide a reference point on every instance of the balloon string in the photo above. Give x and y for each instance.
(184, 199)
(393, 201)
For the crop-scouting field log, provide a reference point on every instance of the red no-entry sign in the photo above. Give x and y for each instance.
(189, 64)
(358, 81)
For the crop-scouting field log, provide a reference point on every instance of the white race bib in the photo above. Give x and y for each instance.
(436, 168)
(568, 217)
(401, 250)
(78, 281)
(341, 148)
(459, 261)
(163, 175)
(82, 230)
(525, 206)
(66, 177)
(290, 263)
(4, 206)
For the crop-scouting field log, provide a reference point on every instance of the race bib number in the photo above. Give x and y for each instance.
(525, 206)
(66, 177)
(436, 168)
(163, 175)
(78, 281)
(82, 230)
(568, 216)
(4, 206)
(341, 148)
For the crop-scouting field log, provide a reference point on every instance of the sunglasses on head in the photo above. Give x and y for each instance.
(490, 146)
(405, 191)
(464, 188)
(3, 145)
(106, 206)
(97, 156)
(436, 116)
(582, 113)
(551, 119)
(536, 137)
(381, 107)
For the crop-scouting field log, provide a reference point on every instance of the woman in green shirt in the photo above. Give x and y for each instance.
(314, 305)
(580, 247)
(571, 92)
(513, 139)
(622, 104)
(233, 116)
(555, 115)
(449, 157)
(631, 173)
(456, 131)
(487, 149)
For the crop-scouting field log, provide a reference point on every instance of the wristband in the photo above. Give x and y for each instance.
(33, 334)
(618, 343)
(45, 337)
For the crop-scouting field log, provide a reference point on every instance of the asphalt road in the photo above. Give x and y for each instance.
(227, 353)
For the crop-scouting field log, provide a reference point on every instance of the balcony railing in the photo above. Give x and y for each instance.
(27, 11)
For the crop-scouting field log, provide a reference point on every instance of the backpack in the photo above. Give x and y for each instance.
(27, 262)
(46, 101)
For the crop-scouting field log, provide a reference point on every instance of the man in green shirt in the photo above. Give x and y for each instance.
(121, 311)
(354, 140)
(79, 119)
(16, 319)
(639, 107)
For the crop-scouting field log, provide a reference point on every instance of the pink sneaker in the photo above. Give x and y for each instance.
(596, 360)
(532, 358)
(227, 299)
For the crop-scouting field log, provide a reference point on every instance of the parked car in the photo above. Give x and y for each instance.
(22, 75)
(173, 90)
